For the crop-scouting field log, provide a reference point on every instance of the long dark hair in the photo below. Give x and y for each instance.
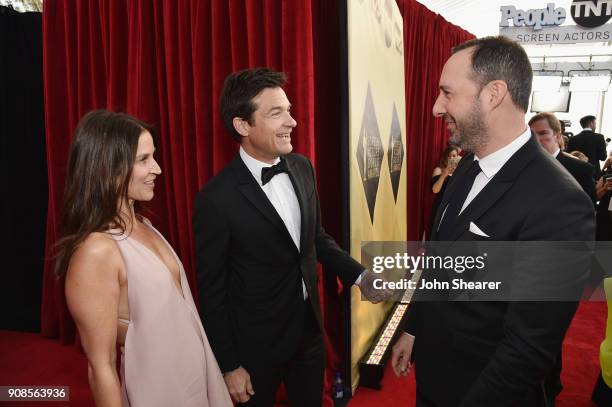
(444, 159)
(100, 163)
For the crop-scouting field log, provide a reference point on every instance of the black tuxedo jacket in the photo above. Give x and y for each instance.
(250, 271)
(496, 353)
(581, 171)
(604, 218)
(592, 145)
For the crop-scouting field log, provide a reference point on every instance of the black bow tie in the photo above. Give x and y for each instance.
(267, 173)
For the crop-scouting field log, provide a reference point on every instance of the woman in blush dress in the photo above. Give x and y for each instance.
(124, 284)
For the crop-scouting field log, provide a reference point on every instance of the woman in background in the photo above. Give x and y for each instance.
(440, 176)
(124, 284)
(580, 155)
(448, 163)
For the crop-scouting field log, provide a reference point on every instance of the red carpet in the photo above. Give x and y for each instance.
(29, 359)
(580, 366)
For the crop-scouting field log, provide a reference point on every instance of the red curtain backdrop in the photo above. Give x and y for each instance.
(428, 40)
(165, 62)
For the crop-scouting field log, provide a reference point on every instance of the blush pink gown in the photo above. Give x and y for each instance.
(166, 360)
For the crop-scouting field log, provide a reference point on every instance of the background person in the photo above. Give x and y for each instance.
(602, 393)
(547, 129)
(448, 163)
(441, 175)
(592, 144)
(580, 155)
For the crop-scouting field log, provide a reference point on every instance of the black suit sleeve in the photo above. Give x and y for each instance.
(410, 323)
(212, 240)
(534, 330)
(586, 181)
(582, 173)
(328, 252)
(602, 148)
(571, 144)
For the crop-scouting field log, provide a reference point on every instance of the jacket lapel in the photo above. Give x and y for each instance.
(298, 186)
(491, 193)
(464, 164)
(496, 188)
(249, 187)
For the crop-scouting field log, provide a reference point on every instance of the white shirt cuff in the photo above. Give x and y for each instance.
(358, 281)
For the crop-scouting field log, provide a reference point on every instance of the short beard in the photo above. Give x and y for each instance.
(471, 132)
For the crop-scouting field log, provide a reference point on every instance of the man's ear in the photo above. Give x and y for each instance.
(241, 126)
(495, 92)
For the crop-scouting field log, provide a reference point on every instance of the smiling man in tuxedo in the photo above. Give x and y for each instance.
(258, 238)
(508, 188)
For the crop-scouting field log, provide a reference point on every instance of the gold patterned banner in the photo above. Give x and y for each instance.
(377, 143)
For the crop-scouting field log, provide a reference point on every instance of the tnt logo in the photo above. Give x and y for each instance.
(591, 13)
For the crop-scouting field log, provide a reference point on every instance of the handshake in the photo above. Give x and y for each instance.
(365, 282)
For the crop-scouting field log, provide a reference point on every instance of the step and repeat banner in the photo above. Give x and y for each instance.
(377, 148)
(548, 23)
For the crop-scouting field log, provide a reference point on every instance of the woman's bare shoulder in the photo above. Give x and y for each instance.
(98, 244)
(98, 251)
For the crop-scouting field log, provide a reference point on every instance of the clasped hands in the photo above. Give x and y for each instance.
(369, 291)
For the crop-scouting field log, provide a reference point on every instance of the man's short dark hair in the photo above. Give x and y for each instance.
(239, 90)
(587, 120)
(499, 58)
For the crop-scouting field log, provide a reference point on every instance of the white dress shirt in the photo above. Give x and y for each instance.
(491, 164)
(281, 194)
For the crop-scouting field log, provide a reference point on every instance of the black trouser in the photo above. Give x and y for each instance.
(552, 381)
(302, 375)
(602, 394)
(421, 401)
